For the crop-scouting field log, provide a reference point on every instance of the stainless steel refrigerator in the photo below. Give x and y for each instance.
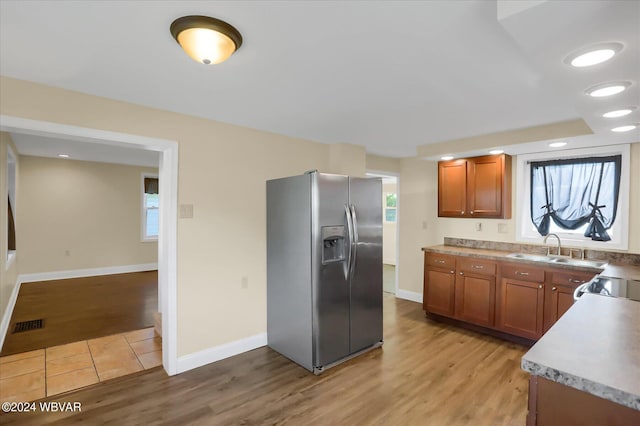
(324, 267)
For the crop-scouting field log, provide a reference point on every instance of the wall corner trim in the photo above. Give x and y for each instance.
(80, 273)
(409, 295)
(217, 353)
(6, 317)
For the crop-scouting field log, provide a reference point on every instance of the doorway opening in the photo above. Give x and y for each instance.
(390, 222)
(167, 238)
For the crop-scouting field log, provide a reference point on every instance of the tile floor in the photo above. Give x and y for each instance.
(45, 372)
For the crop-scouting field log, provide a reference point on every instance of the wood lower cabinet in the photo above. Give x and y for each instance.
(559, 295)
(439, 285)
(476, 292)
(510, 297)
(520, 307)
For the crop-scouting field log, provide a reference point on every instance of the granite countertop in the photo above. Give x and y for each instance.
(610, 270)
(594, 347)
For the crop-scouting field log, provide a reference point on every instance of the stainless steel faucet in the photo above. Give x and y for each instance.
(549, 248)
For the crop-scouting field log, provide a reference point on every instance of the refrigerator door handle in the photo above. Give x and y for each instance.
(354, 219)
(347, 212)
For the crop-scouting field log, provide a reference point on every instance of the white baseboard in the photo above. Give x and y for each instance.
(409, 295)
(6, 317)
(207, 356)
(80, 273)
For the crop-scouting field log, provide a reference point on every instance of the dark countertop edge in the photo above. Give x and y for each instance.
(502, 256)
(600, 390)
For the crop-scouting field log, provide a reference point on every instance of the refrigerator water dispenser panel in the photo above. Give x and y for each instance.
(332, 244)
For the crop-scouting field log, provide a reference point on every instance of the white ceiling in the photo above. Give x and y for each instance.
(390, 76)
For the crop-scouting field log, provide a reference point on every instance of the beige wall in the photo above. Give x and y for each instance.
(222, 172)
(81, 215)
(345, 159)
(8, 276)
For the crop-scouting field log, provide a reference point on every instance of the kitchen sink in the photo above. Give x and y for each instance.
(579, 262)
(527, 256)
(558, 260)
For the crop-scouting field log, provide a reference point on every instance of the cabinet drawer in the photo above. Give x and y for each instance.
(484, 267)
(440, 260)
(522, 273)
(573, 279)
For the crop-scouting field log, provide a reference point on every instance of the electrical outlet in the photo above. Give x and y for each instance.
(479, 226)
(502, 228)
(244, 282)
(67, 252)
(424, 224)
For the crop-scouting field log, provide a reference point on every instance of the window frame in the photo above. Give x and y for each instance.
(11, 179)
(143, 211)
(526, 232)
(385, 208)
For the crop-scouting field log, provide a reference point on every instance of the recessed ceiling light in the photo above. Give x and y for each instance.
(626, 128)
(607, 89)
(619, 112)
(496, 151)
(447, 157)
(63, 155)
(557, 144)
(593, 55)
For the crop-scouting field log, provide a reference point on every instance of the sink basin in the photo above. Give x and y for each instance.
(527, 256)
(579, 262)
(559, 260)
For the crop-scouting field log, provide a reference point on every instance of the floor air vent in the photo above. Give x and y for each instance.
(28, 325)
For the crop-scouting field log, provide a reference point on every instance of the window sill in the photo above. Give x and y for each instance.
(149, 240)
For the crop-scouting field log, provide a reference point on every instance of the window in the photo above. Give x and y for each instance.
(581, 195)
(150, 208)
(390, 207)
(11, 198)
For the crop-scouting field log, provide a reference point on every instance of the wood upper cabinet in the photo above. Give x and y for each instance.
(475, 291)
(475, 187)
(439, 284)
(520, 301)
(559, 295)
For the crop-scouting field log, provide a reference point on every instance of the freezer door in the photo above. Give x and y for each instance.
(366, 275)
(330, 287)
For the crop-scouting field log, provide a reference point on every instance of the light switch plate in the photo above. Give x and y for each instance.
(186, 211)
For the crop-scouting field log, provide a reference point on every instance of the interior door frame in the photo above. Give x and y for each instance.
(397, 176)
(168, 235)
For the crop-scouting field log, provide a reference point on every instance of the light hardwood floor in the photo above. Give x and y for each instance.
(426, 373)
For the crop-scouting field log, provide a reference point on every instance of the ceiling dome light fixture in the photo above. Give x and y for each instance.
(496, 151)
(557, 144)
(206, 40)
(593, 55)
(607, 89)
(626, 128)
(619, 112)
(447, 157)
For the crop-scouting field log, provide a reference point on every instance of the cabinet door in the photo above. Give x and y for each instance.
(439, 291)
(452, 188)
(475, 298)
(559, 296)
(520, 307)
(486, 187)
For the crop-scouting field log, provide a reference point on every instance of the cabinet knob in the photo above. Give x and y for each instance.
(461, 273)
(554, 288)
(471, 212)
(462, 212)
(540, 286)
(453, 272)
(524, 274)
